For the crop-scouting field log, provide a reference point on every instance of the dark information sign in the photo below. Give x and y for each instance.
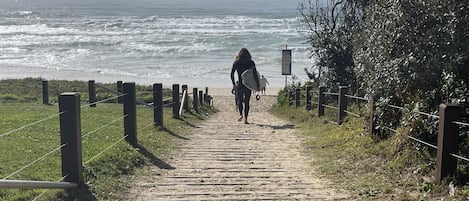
(286, 62)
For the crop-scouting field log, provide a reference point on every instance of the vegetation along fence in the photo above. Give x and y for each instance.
(449, 122)
(70, 127)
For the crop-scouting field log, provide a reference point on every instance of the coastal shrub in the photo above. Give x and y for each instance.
(415, 55)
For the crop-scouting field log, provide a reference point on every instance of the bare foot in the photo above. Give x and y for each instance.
(246, 121)
(240, 118)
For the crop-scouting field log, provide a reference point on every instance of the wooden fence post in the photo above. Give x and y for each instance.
(70, 137)
(119, 89)
(206, 96)
(342, 103)
(371, 124)
(158, 104)
(176, 101)
(130, 113)
(195, 99)
(308, 98)
(45, 92)
(201, 97)
(297, 97)
(321, 100)
(92, 93)
(186, 101)
(448, 134)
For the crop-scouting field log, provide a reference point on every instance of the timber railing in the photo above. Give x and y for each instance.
(70, 127)
(449, 122)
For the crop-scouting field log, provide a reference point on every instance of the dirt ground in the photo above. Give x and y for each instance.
(224, 159)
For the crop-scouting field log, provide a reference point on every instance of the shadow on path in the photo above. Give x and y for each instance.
(174, 134)
(156, 161)
(189, 123)
(283, 127)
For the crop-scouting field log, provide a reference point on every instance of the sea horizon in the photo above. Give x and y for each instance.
(148, 41)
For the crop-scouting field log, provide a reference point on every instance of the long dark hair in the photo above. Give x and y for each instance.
(243, 55)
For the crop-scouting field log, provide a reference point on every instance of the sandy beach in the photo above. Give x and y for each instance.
(52, 74)
(214, 91)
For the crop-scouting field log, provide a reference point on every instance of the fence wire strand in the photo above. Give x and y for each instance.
(393, 130)
(413, 138)
(103, 126)
(38, 159)
(353, 114)
(397, 107)
(32, 124)
(47, 190)
(460, 157)
(414, 111)
(100, 153)
(168, 104)
(460, 123)
(104, 100)
(329, 93)
(330, 107)
(356, 97)
(145, 127)
(151, 107)
(423, 142)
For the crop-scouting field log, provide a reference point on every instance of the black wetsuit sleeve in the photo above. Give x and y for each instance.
(233, 69)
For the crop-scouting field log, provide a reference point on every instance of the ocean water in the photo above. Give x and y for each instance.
(189, 42)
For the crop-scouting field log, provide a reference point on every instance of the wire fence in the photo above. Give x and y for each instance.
(31, 124)
(47, 190)
(104, 150)
(33, 162)
(340, 108)
(104, 126)
(57, 148)
(103, 101)
(101, 128)
(413, 111)
(357, 98)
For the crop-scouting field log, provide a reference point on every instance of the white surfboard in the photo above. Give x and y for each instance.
(249, 80)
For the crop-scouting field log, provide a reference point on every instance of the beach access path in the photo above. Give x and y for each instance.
(224, 159)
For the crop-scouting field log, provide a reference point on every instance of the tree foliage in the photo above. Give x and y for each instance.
(411, 54)
(414, 54)
(330, 28)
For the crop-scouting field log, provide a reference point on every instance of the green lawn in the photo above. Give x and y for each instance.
(109, 162)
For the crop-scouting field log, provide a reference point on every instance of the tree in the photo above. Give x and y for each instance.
(331, 26)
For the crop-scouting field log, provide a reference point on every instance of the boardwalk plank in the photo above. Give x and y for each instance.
(228, 160)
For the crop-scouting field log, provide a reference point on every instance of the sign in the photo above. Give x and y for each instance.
(286, 62)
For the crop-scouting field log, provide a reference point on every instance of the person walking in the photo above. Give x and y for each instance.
(242, 63)
(264, 83)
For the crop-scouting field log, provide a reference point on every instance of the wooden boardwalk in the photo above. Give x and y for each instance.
(228, 160)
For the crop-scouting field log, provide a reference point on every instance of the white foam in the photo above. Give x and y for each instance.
(197, 49)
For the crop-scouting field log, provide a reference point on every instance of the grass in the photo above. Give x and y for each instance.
(106, 174)
(371, 169)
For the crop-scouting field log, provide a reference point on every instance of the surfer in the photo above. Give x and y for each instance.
(242, 63)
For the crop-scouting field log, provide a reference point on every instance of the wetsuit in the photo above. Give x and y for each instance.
(243, 93)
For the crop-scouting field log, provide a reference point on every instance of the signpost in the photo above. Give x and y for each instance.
(286, 63)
